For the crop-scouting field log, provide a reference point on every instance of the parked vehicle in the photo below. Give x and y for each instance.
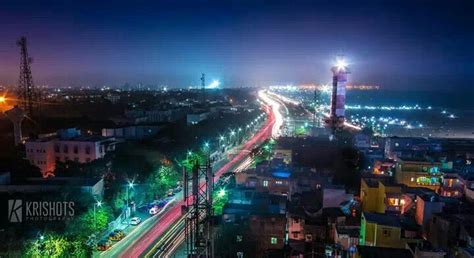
(104, 245)
(154, 210)
(116, 235)
(135, 221)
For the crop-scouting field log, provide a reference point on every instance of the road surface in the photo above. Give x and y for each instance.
(148, 234)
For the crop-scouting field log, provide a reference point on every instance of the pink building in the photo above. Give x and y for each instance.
(45, 152)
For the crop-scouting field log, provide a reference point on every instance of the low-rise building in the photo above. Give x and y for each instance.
(387, 230)
(69, 145)
(419, 173)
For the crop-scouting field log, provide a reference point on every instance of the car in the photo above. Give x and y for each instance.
(154, 210)
(116, 235)
(120, 233)
(135, 221)
(104, 245)
(170, 193)
(162, 203)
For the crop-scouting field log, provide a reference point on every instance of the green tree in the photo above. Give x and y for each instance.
(161, 180)
(50, 245)
(86, 225)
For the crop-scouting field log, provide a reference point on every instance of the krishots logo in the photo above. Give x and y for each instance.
(20, 210)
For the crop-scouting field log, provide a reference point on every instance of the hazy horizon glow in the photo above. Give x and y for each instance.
(397, 45)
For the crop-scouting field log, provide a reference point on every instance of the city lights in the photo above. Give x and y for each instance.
(214, 84)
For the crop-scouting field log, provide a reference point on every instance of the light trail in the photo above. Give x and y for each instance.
(175, 236)
(326, 115)
(275, 107)
(171, 217)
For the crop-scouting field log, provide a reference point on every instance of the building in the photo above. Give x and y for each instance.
(196, 118)
(68, 145)
(254, 223)
(136, 132)
(92, 186)
(426, 206)
(381, 197)
(377, 252)
(387, 230)
(408, 147)
(419, 173)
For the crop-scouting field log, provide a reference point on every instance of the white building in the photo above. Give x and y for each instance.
(45, 152)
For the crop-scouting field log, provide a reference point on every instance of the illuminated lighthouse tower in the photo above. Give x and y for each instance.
(338, 98)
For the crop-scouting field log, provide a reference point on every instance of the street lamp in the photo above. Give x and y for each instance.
(97, 204)
(129, 186)
(221, 193)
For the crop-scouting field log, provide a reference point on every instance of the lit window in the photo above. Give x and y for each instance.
(412, 179)
(239, 238)
(274, 240)
(278, 182)
(265, 183)
(392, 201)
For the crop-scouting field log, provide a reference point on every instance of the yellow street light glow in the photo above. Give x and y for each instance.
(3, 99)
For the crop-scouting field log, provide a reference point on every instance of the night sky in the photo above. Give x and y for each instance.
(395, 44)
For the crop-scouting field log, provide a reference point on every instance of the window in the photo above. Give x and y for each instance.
(66, 149)
(56, 148)
(412, 179)
(76, 149)
(392, 201)
(386, 232)
(88, 150)
(265, 183)
(273, 240)
(278, 182)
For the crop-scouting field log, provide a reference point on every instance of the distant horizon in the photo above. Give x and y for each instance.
(403, 44)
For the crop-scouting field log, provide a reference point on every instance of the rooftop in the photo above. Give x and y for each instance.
(382, 219)
(376, 252)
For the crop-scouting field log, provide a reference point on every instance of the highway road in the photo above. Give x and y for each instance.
(148, 235)
(173, 239)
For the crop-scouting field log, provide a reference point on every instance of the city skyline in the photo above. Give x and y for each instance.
(399, 46)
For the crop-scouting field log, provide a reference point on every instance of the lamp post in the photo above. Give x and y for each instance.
(129, 186)
(97, 204)
(232, 133)
(221, 140)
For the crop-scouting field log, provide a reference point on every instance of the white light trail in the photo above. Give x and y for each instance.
(276, 129)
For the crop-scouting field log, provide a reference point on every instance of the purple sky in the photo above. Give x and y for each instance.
(397, 44)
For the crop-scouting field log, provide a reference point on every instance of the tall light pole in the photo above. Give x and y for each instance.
(97, 204)
(129, 186)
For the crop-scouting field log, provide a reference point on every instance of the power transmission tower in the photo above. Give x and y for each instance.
(198, 211)
(27, 93)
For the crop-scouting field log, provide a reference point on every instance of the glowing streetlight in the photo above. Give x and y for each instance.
(97, 204)
(2, 99)
(129, 186)
(221, 193)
